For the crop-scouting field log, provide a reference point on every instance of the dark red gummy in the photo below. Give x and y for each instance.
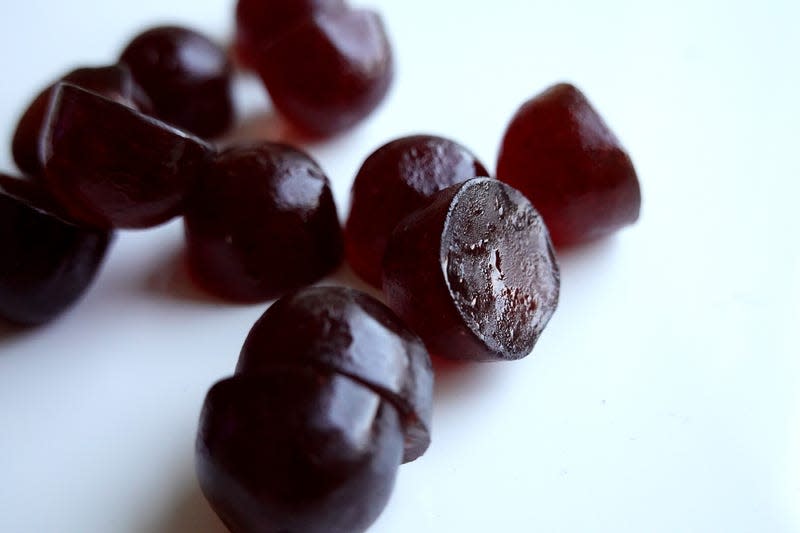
(297, 449)
(473, 273)
(110, 165)
(395, 180)
(329, 72)
(261, 221)
(348, 332)
(114, 82)
(47, 262)
(260, 22)
(187, 77)
(331, 393)
(560, 153)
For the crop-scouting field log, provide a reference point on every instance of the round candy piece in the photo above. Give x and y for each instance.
(346, 331)
(329, 72)
(48, 261)
(260, 221)
(187, 77)
(473, 273)
(110, 165)
(260, 22)
(559, 152)
(297, 449)
(395, 180)
(114, 82)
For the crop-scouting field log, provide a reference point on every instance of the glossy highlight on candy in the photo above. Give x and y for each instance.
(330, 395)
(260, 221)
(112, 166)
(396, 179)
(187, 77)
(48, 261)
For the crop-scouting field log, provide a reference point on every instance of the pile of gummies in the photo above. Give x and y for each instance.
(333, 388)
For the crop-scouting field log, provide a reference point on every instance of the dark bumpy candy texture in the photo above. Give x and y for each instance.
(47, 262)
(308, 435)
(297, 450)
(112, 166)
(260, 221)
(329, 72)
(473, 273)
(114, 82)
(562, 156)
(344, 330)
(395, 180)
(186, 76)
(259, 23)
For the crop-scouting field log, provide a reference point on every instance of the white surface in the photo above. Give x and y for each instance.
(664, 395)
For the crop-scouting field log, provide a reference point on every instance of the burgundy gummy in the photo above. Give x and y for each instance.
(259, 23)
(343, 330)
(473, 273)
(112, 166)
(261, 221)
(329, 72)
(114, 82)
(395, 180)
(186, 76)
(560, 153)
(48, 262)
(297, 449)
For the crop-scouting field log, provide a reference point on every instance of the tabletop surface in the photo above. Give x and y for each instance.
(662, 397)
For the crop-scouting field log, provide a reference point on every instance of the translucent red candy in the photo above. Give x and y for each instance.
(260, 221)
(343, 330)
(186, 76)
(114, 82)
(395, 180)
(308, 435)
(329, 72)
(560, 153)
(260, 22)
(110, 165)
(473, 272)
(47, 262)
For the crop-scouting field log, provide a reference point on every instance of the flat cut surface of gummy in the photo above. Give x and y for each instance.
(499, 266)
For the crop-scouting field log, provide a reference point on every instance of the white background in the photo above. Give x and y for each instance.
(663, 397)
